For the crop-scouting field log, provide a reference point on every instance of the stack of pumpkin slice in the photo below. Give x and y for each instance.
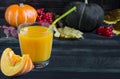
(112, 17)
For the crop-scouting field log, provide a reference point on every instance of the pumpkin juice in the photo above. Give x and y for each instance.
(37, 42)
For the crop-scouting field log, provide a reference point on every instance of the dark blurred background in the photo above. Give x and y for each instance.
(57, 5)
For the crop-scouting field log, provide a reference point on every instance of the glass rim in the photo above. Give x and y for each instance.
(25, 25)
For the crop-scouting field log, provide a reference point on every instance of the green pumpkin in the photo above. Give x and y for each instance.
(86, 18)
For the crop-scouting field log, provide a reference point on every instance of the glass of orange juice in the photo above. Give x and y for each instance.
(36, 40)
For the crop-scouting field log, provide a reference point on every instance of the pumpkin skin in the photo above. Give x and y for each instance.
(86, 18)
(17, 14)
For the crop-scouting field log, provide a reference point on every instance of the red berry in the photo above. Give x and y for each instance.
(100, 30)
(41, 10)
(105, 31)
(110, 28)
(44, 17)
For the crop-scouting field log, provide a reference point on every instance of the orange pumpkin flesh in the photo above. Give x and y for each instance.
(17, 14)
(14, 65)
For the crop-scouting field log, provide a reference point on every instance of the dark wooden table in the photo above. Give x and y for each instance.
(93, 57)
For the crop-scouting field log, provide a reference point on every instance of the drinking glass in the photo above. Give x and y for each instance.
(36, 40)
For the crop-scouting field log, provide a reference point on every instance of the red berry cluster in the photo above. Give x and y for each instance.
(44, 16)
(105, 31)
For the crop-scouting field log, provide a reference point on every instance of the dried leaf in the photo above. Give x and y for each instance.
(13, 31)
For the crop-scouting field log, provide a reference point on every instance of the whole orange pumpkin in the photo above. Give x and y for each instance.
(17, 14)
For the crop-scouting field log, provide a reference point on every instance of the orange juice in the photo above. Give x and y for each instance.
(37, 42)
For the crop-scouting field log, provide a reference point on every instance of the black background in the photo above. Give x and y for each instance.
(57, 6)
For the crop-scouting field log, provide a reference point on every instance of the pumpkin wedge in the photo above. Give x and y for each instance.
(14, 65)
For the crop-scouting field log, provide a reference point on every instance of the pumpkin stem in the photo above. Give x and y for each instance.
(86, 1)
(21, 4)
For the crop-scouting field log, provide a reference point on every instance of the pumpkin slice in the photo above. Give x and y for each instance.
(15, 63)
(28, 66)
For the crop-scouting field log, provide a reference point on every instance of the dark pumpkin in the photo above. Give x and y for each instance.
(86, 18)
